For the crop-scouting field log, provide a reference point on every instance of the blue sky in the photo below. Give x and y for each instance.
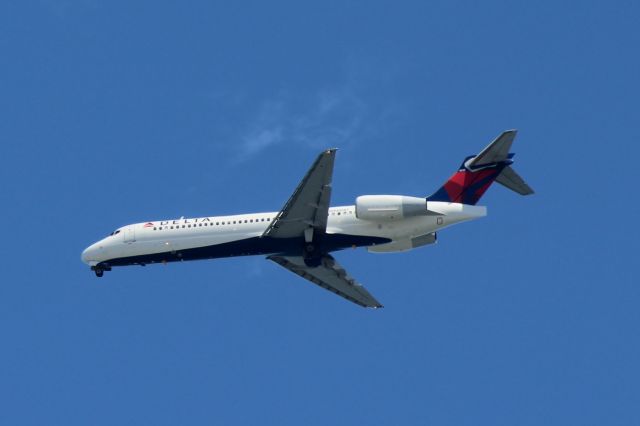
(120, 112)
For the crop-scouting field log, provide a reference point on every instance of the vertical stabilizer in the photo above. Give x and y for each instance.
(478, 172)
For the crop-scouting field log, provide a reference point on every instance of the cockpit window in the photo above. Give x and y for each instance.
(116, 232)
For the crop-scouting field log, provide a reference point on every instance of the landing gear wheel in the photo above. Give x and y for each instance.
(100, 268)
(309, 248)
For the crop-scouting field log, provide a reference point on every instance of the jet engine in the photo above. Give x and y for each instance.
(389, 207)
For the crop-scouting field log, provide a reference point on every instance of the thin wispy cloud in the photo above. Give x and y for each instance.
(336, 119)
(262, 139)
(267, 129)
(328, 118)
(360, 108)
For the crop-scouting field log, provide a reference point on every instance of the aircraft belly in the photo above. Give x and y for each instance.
(192, 250)
(392, 230)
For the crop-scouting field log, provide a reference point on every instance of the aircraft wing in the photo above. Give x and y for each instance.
(308, 207)
(331, 276)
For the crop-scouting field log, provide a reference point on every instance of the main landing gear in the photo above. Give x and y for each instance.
(99, 269)
(311, 255)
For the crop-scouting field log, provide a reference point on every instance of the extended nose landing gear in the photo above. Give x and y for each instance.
(99, 269)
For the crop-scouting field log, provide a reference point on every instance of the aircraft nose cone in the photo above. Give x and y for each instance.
(89, 254)
(85, 255)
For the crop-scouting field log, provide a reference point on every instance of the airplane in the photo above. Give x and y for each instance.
(301, 236)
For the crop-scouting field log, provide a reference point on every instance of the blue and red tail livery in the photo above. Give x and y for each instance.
(478, 172)
(467, 186)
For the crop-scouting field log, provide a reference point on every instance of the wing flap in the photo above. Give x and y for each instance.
(330, 276)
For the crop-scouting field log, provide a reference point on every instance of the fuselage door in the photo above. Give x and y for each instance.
(129, 234)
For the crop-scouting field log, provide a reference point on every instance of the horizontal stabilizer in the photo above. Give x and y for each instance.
(513, 181)
(496, 151)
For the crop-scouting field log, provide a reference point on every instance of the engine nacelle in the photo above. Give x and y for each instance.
(389, 207)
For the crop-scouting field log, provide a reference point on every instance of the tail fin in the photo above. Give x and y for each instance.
(477, 173)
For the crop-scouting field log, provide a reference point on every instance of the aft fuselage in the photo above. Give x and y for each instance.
(241, 235)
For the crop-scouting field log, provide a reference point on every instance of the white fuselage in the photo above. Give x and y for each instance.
(223, 236)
